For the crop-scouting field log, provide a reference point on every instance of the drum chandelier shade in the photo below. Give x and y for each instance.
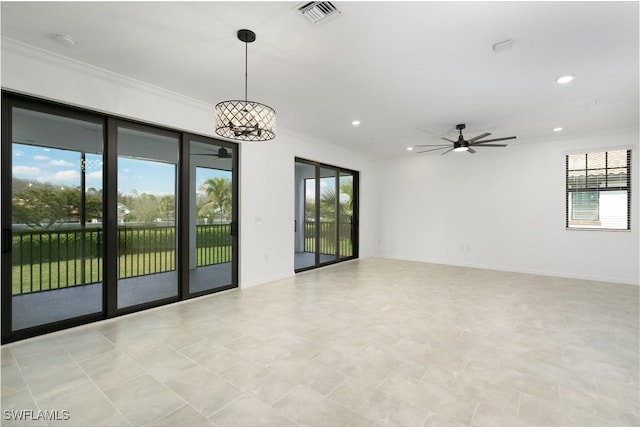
(245, 120)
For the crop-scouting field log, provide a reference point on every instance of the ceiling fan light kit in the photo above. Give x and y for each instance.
(565, 79)
(462, 144)
(245, 120)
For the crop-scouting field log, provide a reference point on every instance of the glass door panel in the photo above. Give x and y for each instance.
(328, 219)
(146, 214)
(305, 216)
(56, 215)
(211, 217)
(346, 205)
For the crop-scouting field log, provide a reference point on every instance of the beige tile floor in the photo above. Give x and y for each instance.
(373, 342)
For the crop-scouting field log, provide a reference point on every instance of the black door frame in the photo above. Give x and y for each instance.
(111, 206)
(355, 219)
(10, 101)
(184, 211)
(109, 124)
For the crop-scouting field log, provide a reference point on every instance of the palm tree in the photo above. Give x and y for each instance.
(345, 202)
(219, 193)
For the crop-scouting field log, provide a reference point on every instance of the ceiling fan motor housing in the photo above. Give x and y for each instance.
(461, 142)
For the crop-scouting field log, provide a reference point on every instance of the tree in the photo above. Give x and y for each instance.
(44, 206)
(336, 207)
(328, 201)
(168, 207)
(145, 208)
(219, 196)
(93, 204)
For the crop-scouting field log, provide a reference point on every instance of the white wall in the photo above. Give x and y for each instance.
(500, 208)
(266, 170)
(503, 209)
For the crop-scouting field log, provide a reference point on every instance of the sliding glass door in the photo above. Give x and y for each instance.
(53, 229)
(146, 213)
(103, 216)
(325, 214)
(326, 222)
(346, 205)
(213, 215)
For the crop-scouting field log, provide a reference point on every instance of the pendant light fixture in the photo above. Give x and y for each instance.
(245, 120)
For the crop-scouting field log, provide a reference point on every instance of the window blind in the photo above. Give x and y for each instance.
(598, 189)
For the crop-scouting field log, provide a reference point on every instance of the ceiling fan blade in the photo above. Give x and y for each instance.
(447, 139)
(450, 149)
(474, 139)
(496, 139)
(489, 145)
(433, 149)
(471, 150)
(433, 145)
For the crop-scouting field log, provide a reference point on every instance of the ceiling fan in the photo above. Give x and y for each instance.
(222, 154)
(467, 145)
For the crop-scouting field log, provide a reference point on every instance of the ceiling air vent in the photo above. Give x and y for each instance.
(318, 11)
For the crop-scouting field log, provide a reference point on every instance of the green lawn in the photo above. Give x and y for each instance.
(327, 247)
(45, 276)
(62, 274)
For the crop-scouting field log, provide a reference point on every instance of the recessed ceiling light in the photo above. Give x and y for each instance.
(558, 129)
(409, 148)
(565, 79)
(356, 122)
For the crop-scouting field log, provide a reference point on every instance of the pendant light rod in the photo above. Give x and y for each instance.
(246, 76)
(246, 36)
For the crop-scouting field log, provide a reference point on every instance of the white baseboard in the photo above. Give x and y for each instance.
(265, 280)
(565, 275)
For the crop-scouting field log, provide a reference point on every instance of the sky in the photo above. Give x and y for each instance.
(325, 185)
(62, 167)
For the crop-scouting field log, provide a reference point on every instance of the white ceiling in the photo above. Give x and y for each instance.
(409, 71)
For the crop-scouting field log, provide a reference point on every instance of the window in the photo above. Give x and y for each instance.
(599, 190)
